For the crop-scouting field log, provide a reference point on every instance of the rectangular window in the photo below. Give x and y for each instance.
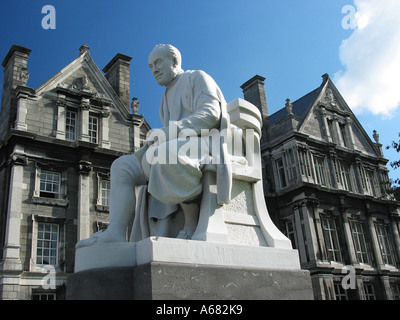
(291, 164)
(346, 177)
(395, 291)
(70, 125)
(44, 296)
(331, 239)
(281, 173)
(360, 245)
(330, 128)
(369, 291)
(105, 192)
(385, 244)
(340, 292)
(93, 129)
(47, 244)
(50, 184)
(342, 129)
(319, 170)
(370, 181)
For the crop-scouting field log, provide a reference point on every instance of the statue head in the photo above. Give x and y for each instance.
(165, 62)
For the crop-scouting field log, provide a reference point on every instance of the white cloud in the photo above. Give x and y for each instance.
(371, 59)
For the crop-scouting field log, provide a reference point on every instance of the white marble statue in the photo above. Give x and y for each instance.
(192, 110)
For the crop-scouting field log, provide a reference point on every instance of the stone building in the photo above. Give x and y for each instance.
(323, 183)
(57, 143)
(323, 178)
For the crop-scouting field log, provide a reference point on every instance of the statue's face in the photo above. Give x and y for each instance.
(162, 66)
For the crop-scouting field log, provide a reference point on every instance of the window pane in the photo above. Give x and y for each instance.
(93, 129)
(331, 239)
(70, 125)
(47, 243)
(281, 173)
(50, 184)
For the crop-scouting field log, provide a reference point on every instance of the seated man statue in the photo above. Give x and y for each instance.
(192, 110)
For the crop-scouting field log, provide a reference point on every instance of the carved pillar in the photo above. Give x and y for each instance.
(325, 127)
(335, 169)
(347, 232)
(394, 221)
(22, 98)
(85, 119)
(105, 129)
(84, 200)
(61, 115)
(299, 232)
(310, 229)
(11, 250)
(349, 131)
(375, 243)
(319, 236)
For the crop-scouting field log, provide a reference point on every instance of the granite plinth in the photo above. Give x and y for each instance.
(173, 281)
(166, 268)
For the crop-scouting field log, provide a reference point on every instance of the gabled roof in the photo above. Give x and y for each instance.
(300, 107)
(328, 96)
(96, 80)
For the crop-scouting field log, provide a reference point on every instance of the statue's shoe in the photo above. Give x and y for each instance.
(183, 234)
(96, 238)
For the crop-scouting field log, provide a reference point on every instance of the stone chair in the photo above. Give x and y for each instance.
(245, 220)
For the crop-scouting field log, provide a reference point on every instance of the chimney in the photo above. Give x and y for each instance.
(117, 74)
(15, 67)
(254, 92)
(16, 74)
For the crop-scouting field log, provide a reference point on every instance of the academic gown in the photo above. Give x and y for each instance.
(193, 105)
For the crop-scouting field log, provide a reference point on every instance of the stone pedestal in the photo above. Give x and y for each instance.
(164, 268)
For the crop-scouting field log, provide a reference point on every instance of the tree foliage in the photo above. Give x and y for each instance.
(395, 165)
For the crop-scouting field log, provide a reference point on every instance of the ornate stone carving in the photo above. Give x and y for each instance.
(18, 159)
(85, 104)
(135, 105)
(289, 106)
(376, 136)
(24, 76)
(330, 98)
(84, 167)
(105, 113)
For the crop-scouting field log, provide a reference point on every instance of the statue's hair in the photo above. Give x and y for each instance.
(174, 53)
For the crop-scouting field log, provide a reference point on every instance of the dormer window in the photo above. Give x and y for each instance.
(93, 129)
(70, 125)
(343, 135)
(281, 173)
(86, 121)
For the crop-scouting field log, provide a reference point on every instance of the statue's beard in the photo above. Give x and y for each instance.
(172, 74)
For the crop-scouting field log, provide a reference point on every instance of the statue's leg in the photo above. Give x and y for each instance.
(125, 175)
(191, 214)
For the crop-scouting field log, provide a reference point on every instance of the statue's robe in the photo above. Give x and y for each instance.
(193, 106)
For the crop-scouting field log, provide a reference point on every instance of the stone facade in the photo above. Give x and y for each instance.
(57, 143)
(323, 180)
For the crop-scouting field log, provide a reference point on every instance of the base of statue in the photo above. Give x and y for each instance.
(168, 269)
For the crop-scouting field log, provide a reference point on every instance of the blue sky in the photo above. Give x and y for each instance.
(289, 42)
